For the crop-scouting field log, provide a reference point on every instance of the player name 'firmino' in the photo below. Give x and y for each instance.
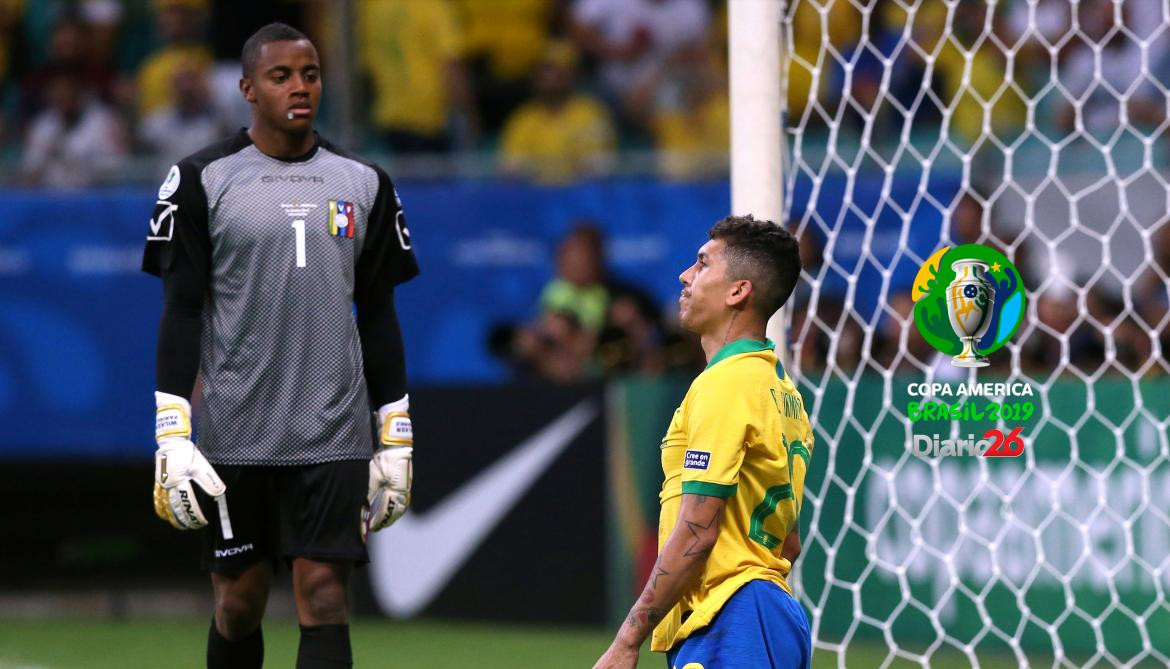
(969, 390)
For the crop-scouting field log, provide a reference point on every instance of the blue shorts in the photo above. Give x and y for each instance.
(761, 626)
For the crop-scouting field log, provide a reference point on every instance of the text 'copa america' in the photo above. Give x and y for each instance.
(969, 389)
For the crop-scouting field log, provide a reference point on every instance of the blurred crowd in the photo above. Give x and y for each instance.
(552, 88)
(559, 90)
(590, 324)
(1003, 67)
(556, 90)
(1075, 323)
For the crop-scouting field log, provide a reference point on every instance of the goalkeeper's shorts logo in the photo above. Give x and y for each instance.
(968, 301)
(233, 551)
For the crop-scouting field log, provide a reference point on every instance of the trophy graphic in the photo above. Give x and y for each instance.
(970, 300)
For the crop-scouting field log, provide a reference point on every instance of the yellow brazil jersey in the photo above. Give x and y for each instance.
(742, 434)
(689, 141)
(557, 145)
(512, 34)
(156, 76)
(406, 47)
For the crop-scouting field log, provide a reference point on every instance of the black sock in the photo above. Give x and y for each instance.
(324, 647)
(223, 653)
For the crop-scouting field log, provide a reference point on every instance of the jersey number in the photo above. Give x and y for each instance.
(773, 497)
(299, 226)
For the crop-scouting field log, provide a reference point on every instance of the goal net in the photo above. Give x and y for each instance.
(1035, 128)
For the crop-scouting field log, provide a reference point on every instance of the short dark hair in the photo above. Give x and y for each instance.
(761, 252)
(273, 32)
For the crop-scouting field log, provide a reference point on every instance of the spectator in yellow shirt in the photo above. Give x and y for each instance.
(975, 75)
(560, 134)
(882, 79)
(970, 75)
(684, 104)
(505, 40)
(179, 24)
(412, 51)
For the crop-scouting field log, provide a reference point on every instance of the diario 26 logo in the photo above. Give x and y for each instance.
(968, 301)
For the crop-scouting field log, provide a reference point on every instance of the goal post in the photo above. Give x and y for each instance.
(1035, 129)
(754, 56)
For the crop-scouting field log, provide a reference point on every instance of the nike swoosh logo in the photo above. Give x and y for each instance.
(413, 559)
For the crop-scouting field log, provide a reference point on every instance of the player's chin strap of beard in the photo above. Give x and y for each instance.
(391, 468)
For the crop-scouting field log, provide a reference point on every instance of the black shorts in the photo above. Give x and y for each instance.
(273, 512)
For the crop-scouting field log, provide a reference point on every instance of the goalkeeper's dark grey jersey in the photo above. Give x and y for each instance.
(282, 246)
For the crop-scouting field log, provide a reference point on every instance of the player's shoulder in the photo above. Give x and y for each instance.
(215, 151)
(724, 380)
(742, 374)
(736, 365)
(377, 180)
(352, 157)
(185, 176)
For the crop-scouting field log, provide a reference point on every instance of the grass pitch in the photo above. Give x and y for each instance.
(99, 644)
(167, 642)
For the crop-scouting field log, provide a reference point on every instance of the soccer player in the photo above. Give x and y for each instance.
(265, 243)
(734, 459)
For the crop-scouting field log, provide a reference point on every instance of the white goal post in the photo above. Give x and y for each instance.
(1036, 128)
(753, 33)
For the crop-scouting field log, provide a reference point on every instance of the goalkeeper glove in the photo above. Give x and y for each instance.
(177, 463)
(391, 469)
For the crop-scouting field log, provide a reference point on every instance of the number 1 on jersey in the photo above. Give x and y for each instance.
(299, 226)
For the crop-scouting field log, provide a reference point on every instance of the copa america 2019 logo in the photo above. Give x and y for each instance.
(968, 301)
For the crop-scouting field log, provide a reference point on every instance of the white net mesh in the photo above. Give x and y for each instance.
(1034, 127)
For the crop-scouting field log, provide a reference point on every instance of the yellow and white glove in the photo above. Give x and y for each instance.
(177, 463)
(391, 469)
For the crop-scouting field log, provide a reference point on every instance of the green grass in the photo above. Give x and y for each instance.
(97, 644)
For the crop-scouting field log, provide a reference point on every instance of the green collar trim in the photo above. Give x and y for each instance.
(742, 346)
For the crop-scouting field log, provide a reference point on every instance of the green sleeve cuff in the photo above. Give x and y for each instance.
(709, 489)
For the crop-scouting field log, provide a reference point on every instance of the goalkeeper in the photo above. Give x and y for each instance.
(265, 243)
(734, 460)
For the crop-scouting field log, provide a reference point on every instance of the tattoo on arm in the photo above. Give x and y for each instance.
(686, 555)
(644, 617)
(694, 528)
(658, 571)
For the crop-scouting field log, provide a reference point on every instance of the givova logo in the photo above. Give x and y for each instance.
(968, 301)
(234, 550)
